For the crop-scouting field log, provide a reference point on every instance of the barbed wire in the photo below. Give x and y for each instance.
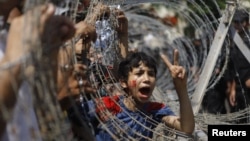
(147, 33)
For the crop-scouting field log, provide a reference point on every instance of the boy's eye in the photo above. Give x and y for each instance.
(139, 73)
(151, 73)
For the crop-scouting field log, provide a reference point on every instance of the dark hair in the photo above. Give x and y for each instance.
(241, 15)
(132, 61)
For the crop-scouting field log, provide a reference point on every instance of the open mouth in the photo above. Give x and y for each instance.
(145, 90)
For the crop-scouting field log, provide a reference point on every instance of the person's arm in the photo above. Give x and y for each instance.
(9, 84)
(122, 31)
(63, 29)
(10, 80)
(231, 92)
(122, 34)
(10, 76)
(68, 80)
(87, 34)
(185, 122)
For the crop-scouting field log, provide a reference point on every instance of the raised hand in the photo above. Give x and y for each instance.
(52, 31)
(122, 27)
(122, 32)
(178, 72)
(87, 35)
(186, 121)
(86, 31)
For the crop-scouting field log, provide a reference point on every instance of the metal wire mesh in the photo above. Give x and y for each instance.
(143, 28)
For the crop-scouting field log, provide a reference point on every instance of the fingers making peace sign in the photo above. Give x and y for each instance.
(177, 72)
(186, 120)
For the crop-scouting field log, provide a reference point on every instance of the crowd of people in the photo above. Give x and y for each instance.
(27, 50)
(21, 42)
(231, 94)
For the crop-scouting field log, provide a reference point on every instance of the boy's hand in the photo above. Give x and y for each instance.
(178, 72)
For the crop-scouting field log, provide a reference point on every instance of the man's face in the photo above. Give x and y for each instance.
(141, 83)
(240, 25)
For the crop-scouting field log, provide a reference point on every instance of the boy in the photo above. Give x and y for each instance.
(127, 116)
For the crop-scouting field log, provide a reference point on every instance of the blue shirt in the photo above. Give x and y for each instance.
(124, 123)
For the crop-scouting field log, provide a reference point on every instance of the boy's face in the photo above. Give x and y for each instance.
(141, 83)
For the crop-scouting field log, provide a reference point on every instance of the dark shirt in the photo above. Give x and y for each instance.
(240, 63)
